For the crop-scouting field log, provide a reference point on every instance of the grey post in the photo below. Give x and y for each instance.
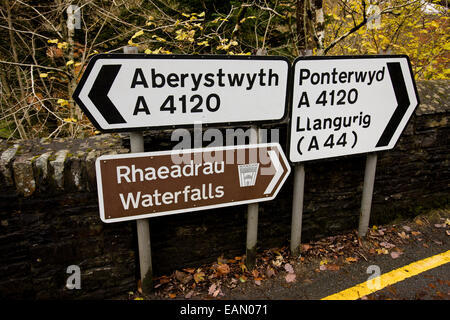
(297, 198)
(252, 217)
(369, 180)
(366, 202)
(143, 228)
(297, 208)
(252, 210)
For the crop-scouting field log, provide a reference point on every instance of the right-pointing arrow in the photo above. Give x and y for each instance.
(401, 94)
(99, 94)
(278, 171)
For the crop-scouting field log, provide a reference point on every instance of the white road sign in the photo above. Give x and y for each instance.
(122, 92)
(349, 105)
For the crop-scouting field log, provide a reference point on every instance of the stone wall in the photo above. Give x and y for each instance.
(49, 212)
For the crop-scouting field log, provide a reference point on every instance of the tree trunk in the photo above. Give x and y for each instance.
(21, 99)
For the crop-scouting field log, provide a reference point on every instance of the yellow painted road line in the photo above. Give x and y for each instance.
(394, 276)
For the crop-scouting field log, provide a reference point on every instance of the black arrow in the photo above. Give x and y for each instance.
(401, 94)
(99, 94)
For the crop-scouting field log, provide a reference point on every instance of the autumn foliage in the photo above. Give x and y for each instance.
(42, 60)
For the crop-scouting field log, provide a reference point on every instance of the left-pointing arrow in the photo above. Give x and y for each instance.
(99, 94)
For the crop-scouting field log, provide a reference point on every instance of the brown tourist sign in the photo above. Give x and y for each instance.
(149, 184)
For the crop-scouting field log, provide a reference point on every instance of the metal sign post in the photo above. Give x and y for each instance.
(143, 228)
(252, 217)
(297, 202)
(366, 202)
(142, 225)
(297, 208)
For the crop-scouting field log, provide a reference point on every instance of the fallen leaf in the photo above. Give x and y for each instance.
(277, 263)
(387, 245)
(447, 232)
(419, 222)
(288, 268)
(395, 254)
(403, 235)
(351, 259)
(382, 251)
(290, 277)
(332, 267)
(270, 272)
(242, 279)
(172, 295)
(189, 270)
(258, 282)
(305, 247)
(416, 233)
(212, 289)
(223, 269)
(139, 286)
(407, 228)
(323, 267)
(182, 277)
(255, 273)
(322, 262)
(199, 276)
(216, 292)
(189, 294)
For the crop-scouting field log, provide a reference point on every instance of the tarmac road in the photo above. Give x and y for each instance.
(313, 285)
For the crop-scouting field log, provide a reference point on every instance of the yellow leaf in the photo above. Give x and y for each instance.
(323, 262)
(199, 276)
(62, 45)
(137, 34)
(247, 18)
(68, 63)
(70, 120)
(62, 102)
(138, 298)
(43, 75)
(434, 24)
(202, 14)
(52, 41)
